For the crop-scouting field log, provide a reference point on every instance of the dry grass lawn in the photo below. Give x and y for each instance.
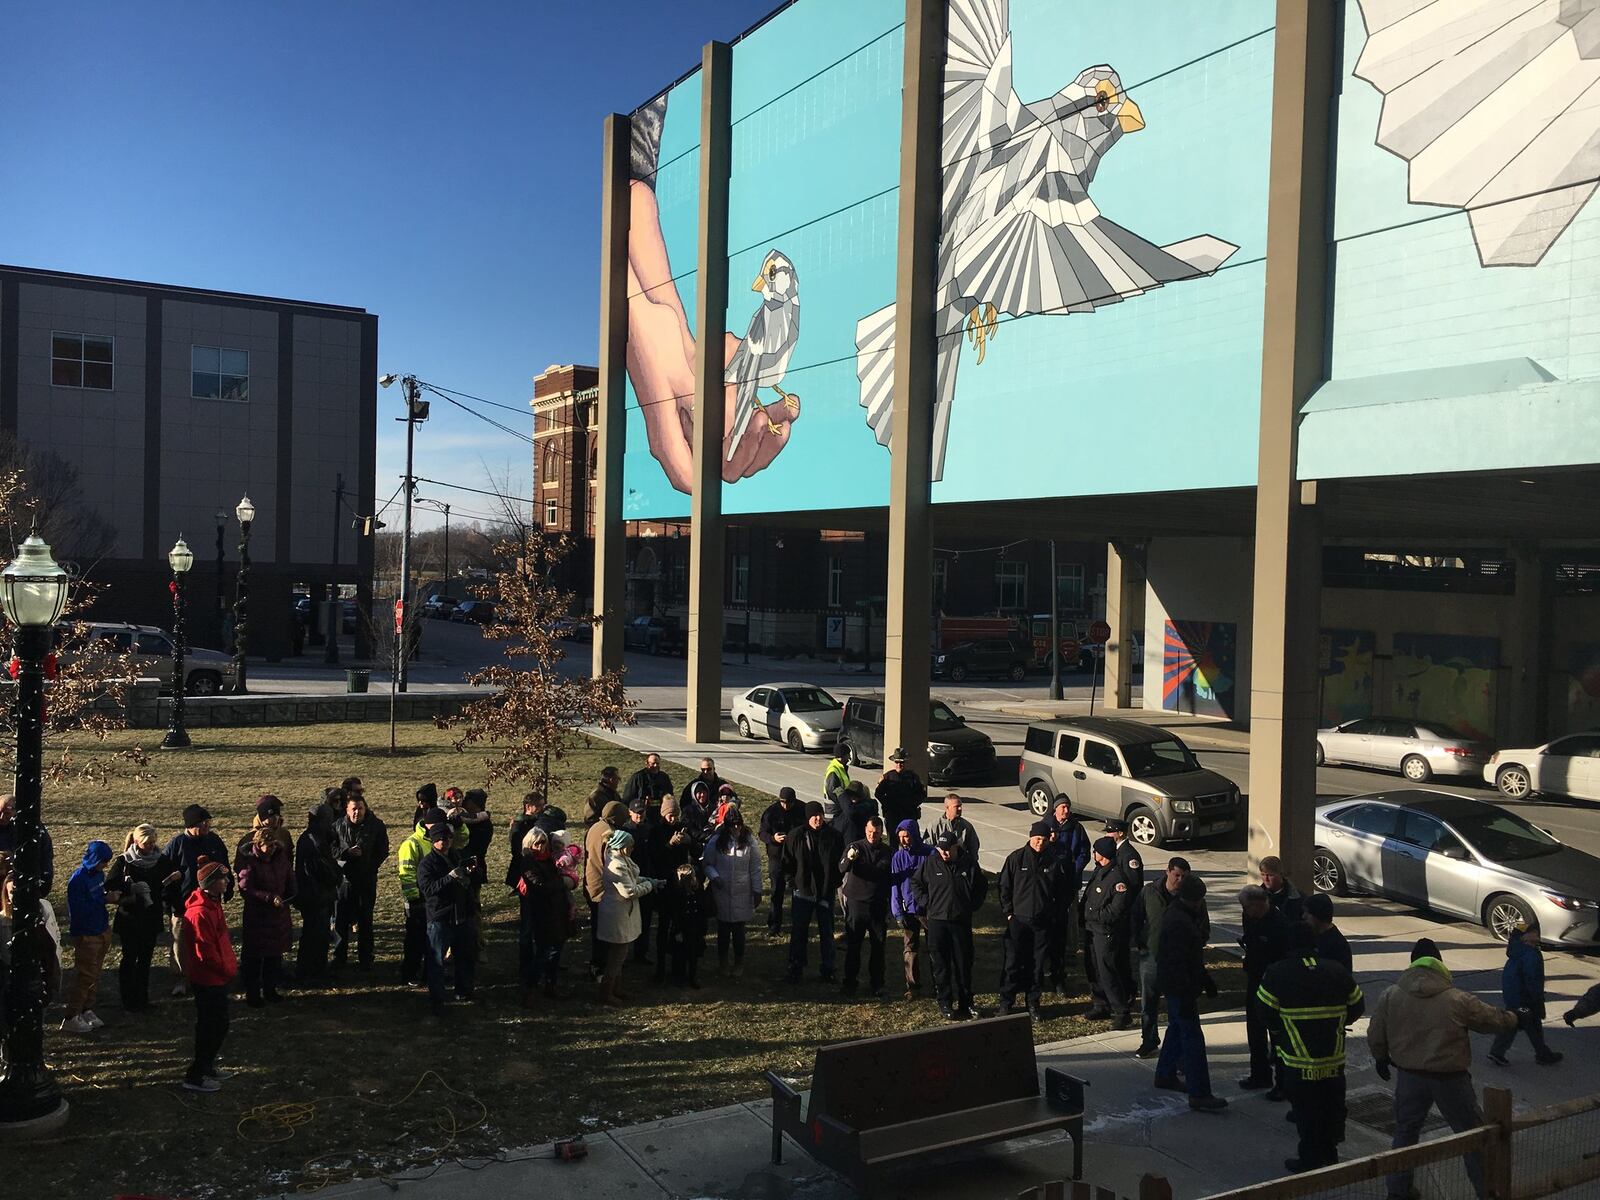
(360, 1079)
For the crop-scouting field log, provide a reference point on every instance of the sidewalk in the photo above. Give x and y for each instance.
(1130, 1128)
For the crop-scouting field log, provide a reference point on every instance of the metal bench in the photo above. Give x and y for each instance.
(878, 1103)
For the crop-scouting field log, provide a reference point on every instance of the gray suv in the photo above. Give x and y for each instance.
(1116, 768)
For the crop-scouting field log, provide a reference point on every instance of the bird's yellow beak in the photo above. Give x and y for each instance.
(1129, 116)
(761, 279)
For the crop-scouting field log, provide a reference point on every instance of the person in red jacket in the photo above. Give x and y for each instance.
(206, 955)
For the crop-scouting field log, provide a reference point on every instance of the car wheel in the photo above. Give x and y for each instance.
(1040, 800)
(846, 753)
(1513, 781)
(1415, 768)
(1503, 913)
(204, 683)
(1143, 828)
(958, 673)
(1327, 873)
(1321, 757)
(744, 727)
(794, 741)
(1017, 673)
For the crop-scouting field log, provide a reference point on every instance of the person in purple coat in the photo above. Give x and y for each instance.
(266, 879)
(903, 908)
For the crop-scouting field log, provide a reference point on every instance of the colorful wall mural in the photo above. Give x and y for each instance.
(1199, 667)
(1344, 663)
(1446, 678)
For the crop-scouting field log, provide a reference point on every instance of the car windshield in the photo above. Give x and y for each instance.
(940, 717)
(809, 700)
(1501, 836)
(1167, 757)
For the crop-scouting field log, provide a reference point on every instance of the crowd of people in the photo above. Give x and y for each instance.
(664, 874)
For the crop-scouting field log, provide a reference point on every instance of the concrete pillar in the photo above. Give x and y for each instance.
(1527, 703)
(707, 556)
(1125, 583)
(1288, 542)
(610, 541)
(908, 631)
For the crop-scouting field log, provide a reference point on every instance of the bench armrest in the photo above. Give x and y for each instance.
(1064, 1091)
(781, 1091)
(785, 1114)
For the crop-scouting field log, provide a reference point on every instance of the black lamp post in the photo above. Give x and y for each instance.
(246, 512)
(180, 558)
(33, 591)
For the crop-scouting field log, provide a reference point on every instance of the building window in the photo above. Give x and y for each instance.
(81, 360)
(1012, 578)
(552, 513)
(740, 579)
(835, 581)
(217, 373)
(941, 580)
(1069, 586)
(550, 465)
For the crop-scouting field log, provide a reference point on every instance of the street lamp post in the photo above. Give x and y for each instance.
(246, 512)
(33, 592)
(180, 558)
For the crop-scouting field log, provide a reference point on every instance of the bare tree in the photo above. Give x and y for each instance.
(48, 491)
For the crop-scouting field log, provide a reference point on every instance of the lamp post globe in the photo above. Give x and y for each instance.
(180, 558)
(33, 594)
(246, 512)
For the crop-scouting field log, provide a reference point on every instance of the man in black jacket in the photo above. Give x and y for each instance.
(781, 818)
(316, 888)
(1107, 903)
(811, 865)
(1327, 940)
(1267, 937)
(949, 885)
(360, 846)
(900, 793)
(649, 783)
(865, 867)
(856, 808)
(451, 905)
(645, 826)
(1182, 977)
(708, 778)
(1285, 897)
(1148, 910)
(196, 844)
(1029, 883)
(1131, 863)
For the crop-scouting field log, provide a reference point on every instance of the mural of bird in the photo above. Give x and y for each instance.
(1495, 106)
(763, 357)
(1019, 233)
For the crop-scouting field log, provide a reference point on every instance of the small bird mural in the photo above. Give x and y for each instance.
(763, 357)
(1019, 233)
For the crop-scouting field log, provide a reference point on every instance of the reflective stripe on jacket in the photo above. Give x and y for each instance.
(1308, 1003)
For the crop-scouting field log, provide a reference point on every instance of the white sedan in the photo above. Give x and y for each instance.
(1568, 766)
(802, 716)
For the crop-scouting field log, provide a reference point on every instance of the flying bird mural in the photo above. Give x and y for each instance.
(1495, 106)
(1019, 232)
(763, 357)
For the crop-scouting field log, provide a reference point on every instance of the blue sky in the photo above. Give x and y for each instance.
(434, 164)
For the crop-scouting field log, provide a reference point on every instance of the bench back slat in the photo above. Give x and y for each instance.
(880, 1081)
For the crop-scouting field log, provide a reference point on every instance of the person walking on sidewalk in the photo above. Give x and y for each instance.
(1146, 932)
(904, 907)
(1107, 902)
(137, 876)
(811, 864)
(782, 817)
(1266, 937)
(1522, 988)
(89, 925)
(900, 793)
(866, 870)
(950, 886)
(732, 868)
(1588, 1004)
(1182, 977)
(205, 953)
(1309, 1001)
(1028, 883)
(1420, 1026)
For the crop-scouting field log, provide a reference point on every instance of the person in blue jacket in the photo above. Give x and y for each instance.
(90, 929)
(903, 907)
(1069, 842)
(1522, 987)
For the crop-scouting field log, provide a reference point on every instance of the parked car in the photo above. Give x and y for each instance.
(1417, 749)
(988, 656)
(1112, 767)
(439, 606)
(956, 752)
(1458, 856)
(1568, 766)
(653, 635)
(205, 672)
(475, 612)
(803, 716)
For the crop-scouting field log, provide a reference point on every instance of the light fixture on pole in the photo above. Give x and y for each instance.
(180, 558)
(246, 512)
(33, 593)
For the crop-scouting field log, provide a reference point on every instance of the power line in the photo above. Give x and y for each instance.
(511, 408)
(516, 433)
(461, 487)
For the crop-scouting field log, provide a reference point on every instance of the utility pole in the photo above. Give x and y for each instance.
(334, 615)
(446, 508)
(416, 413)
(1055, 627)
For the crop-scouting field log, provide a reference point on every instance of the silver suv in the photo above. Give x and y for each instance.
(1116, 768)
(206, 672)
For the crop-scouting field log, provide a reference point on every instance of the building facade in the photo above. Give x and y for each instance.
(173, 403)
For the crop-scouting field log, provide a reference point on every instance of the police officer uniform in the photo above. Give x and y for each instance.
(1307, 1002)
(900, 794)
(1107, 902)
(1131, 864)
(1029, 881)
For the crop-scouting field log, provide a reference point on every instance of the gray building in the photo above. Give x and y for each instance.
(170, 404)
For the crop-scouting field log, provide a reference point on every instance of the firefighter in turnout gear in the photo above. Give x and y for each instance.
(1308, 1002)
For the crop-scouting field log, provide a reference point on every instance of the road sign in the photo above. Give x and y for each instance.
(399, 617)
(1099, 633)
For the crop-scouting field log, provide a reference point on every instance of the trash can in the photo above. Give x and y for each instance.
(355, 679)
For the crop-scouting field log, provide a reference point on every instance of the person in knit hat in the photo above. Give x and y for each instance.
(137, 876)
(613, 816)
(206, 954)
(268, 815)
(781, 818)
(617, 912)
(184, 852)
(90, 928)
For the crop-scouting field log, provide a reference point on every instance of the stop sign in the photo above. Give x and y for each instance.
(399, 616)
(1099, 633)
